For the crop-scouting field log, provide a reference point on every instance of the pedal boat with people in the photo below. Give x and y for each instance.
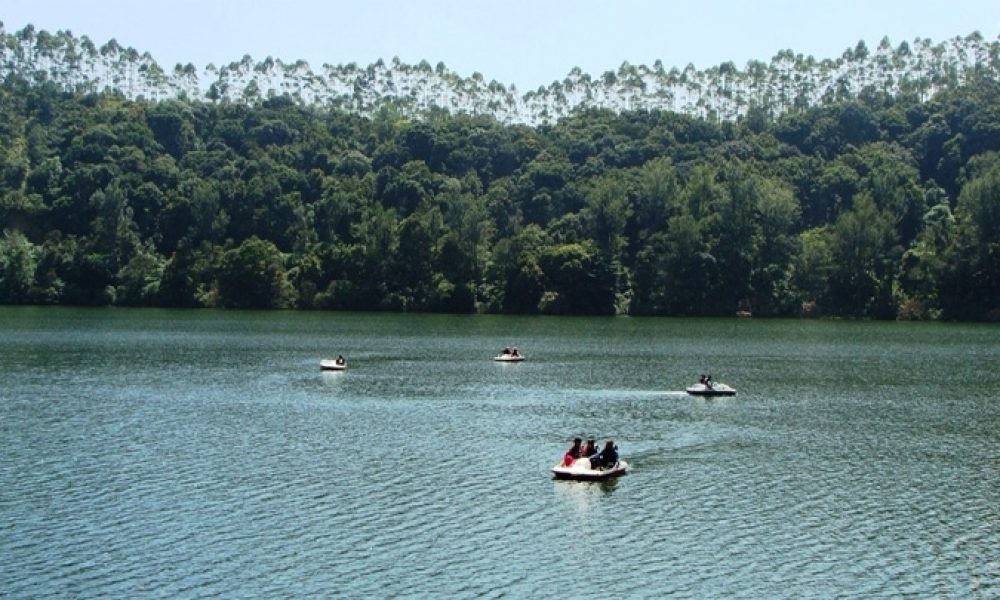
(580, 470)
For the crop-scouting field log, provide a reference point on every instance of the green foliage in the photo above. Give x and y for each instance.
(576, 281)
(139, 280)
(18, 262)
(972, 280)
(253, 275)
(859, 284)
(873, 206)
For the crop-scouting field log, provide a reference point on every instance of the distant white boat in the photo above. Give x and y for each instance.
(332, 364)
(712, 389)
(509, 355)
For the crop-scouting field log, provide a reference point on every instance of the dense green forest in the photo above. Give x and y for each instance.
(880, 205)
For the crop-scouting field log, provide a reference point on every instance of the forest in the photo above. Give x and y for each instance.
(884, 204)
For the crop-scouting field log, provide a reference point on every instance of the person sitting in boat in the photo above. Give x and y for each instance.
(514, 352)
(506, 352)
(708, 382)
(340, 359)
(702, 380)
(589, 449)
(573, 453)
(607, 458)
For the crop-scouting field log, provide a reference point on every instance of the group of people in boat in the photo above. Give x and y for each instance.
(508, 351)
(706, 380)
(605, 459)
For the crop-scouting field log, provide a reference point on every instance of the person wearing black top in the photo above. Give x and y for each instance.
(607, 458)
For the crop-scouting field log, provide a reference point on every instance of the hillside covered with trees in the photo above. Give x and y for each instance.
(873, 200)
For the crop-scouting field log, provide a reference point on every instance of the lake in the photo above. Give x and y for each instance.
(184, 454)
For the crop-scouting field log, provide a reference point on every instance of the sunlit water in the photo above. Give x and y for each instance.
(203, 454)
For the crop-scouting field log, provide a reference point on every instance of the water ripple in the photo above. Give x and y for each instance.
(408, 477)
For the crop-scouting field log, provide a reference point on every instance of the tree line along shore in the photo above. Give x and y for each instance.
(882, 204)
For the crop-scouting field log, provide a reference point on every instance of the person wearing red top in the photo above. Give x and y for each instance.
(573, 453)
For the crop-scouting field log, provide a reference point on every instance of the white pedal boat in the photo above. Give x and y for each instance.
(714, 389)
(580, 470)
(332, 364)
(508, 357)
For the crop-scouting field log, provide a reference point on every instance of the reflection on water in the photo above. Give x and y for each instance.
(582, 495)
(203, 453)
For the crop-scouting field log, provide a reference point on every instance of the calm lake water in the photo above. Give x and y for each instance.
(179, 454)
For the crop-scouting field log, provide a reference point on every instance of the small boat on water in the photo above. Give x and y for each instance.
(581, 470)
(711, 389)
(509, 355)
(333, 364)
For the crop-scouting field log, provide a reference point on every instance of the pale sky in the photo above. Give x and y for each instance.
(525, 42)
